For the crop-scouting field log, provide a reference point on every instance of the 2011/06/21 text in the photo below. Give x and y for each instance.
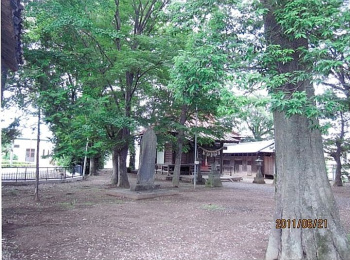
(301, 223)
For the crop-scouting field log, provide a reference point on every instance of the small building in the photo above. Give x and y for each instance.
(24, 151)
(207, 156)
(241, 158)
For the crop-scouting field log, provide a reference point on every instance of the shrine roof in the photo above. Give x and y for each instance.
(251, 147)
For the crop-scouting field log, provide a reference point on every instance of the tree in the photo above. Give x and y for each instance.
(331, 56)
(197, 80)
(303, 190)
(336, 144)
(251, 115)
(118, 55)
(142, 58)
(331, 59)
(8, 134)
(11, 131)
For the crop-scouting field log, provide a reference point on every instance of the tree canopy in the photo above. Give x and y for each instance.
(101, 70)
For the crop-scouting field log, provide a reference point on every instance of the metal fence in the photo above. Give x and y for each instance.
(29, 173)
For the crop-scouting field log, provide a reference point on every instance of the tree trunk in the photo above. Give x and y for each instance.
(132, 156)
(303, 192)
(36, 192)
(99, 162)
(93, 166)
(178, 156)
(123, 181)
(338, 153)
(114, 179)
(337, 157)
(304, 198)
(180, 141)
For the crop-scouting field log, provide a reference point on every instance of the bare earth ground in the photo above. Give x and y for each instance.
(81, 221)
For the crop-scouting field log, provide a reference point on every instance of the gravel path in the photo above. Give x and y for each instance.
(81, 221)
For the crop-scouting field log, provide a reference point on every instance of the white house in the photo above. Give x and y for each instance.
(25, 150)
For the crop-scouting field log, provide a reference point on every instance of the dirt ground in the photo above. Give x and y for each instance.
(81, 221)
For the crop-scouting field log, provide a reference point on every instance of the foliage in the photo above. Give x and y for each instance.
(8, 134)
(338, 128)
(251, 116)
(328, 53)
(100, 67)
(103, 75)
(263, 66)
(199, 75)
(7, 157)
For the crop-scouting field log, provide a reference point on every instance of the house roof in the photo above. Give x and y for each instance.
(212, 123)
(226, 138)
(251, 147)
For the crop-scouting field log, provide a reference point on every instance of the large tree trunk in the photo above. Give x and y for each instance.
(306, 220)
(114, 178)
(303, 192)
(123, 181)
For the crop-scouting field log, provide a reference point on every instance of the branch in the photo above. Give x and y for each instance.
(117, 23)
(114, 95)
(98, 46)
(139, 76)
(148, 14)
(334, 86)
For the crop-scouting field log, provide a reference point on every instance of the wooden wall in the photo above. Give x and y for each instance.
(246, 164)
(169, 157)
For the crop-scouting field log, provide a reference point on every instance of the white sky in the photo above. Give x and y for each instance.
(28, 123)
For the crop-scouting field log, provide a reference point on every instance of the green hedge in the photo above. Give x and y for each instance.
(6, 163)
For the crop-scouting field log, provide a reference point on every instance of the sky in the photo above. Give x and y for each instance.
(28, 123)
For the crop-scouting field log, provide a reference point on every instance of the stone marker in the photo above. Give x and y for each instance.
(145, 174)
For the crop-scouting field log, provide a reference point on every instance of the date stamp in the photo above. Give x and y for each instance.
(301, 223)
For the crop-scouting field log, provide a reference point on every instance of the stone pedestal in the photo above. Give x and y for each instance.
(259, 180)
(145, 187)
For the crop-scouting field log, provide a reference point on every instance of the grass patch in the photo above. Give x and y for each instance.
(73, 204)
(69, 205)
(88, 203)
(212, 207)
(117, 201)
(13, 192)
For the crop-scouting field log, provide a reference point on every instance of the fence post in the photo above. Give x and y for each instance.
(16, 174)
(25, 173)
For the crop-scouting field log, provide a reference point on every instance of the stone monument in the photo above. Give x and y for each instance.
(214, 177)
(145, 174)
